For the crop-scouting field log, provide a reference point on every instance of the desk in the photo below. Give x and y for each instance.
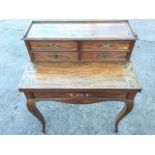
(80, 83)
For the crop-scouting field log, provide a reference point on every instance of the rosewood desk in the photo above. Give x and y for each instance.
(80, 62)
(80, 83)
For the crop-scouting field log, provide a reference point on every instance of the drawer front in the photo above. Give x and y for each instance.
(53, 45)
(80, 95)
(54, 56)
(105, 45)
(104, 56)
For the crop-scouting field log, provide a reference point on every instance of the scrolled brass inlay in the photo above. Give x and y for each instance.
(78, 95)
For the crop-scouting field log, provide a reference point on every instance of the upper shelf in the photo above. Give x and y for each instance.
(80, 30)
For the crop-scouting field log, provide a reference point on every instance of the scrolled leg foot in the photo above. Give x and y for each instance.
(129, 104)
(33, 109)
(126, 109)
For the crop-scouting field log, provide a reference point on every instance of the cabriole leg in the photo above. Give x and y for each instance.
(129, 104)
(33, 109)
(31, 105)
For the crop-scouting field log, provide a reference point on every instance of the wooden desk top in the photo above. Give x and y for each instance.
(94, 75)
(80, 30)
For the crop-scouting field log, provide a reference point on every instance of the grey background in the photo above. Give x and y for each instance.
(74, 119)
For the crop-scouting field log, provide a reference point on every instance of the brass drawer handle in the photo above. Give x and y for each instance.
(78, 95)
(104, 45)
(54, 56)
(103, 56)
(55, 46)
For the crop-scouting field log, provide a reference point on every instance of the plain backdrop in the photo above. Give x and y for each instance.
(77, 9)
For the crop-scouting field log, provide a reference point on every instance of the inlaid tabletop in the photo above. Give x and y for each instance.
(80, 30)
(79, 76)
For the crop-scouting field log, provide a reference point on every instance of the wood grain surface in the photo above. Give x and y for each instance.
(79, 76)
(80, 30)
(79, 36)
(80, 62)
(54, 56)
(53, 45)
(103, 56)
(105, 45)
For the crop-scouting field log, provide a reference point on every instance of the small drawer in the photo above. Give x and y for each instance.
(53, 45)
(62, 95)
(104, 56)
(78, 95)
(54, 56)
(105, 45)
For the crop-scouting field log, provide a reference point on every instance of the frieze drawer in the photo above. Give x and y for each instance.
(77, 95)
